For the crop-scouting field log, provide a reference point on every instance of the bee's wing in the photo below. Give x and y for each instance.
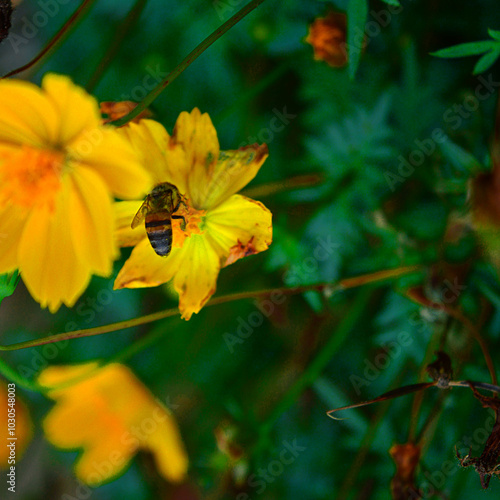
(141, 214)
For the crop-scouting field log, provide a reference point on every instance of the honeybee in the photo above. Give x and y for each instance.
(158, 210)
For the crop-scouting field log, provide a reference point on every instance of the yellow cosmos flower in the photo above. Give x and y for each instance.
(110, 415)
(59, 167)
(15, 422)
(220, 226)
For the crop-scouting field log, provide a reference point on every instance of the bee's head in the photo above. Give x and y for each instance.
(162, 189)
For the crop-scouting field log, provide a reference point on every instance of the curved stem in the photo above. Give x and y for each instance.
(271, 188)
(324, 356)
(74, 19)
(149, 318)
(192, 56)
(127, 24)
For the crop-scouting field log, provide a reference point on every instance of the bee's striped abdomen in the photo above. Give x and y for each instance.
(159, 229)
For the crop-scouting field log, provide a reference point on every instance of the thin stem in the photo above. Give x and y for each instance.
(72, 22)
(249, 94)
(476, 334)
(349, 482)
(324, 356)
(149, 318)
(118, 37)
(272, 188)
(191, 57)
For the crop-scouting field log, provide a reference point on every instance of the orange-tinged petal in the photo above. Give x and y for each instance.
(196, 274)
(28, 117)
(327, 35)
(145, 268)
(104, 150)
(196, 135)
(236, 222)
(91, 218)
(110, 415)
(77, 110)
(234, 170)
(124, 213)
(12, 221)
(49, 264)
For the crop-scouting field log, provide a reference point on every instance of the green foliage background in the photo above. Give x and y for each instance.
(269, 387)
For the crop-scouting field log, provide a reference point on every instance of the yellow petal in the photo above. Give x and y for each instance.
(77, 110)
(27, 117)
(124, 213)
(110, 415)
(12, 221)
(166, 445)
(91, 220)
(196, 135)
(54, 376)
(233, 171)
(145, 268)
(238, 227)
(113, 158)
(196, 274)
(194, 268)
(107, 459)
(48, 262)
(159, 155)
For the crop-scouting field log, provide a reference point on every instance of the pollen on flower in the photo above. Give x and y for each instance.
(194, 223)
(30, 176)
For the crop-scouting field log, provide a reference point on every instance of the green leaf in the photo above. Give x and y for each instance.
(467, 49)
(395, 3)
(461, 159)
(486, 61)
(357, 14)
(8, 283)
(494, 34)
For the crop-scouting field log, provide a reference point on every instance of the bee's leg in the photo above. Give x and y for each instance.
(183, 225)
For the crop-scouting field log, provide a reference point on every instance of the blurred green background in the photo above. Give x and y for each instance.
(273, 386)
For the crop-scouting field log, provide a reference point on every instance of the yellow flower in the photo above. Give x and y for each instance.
(58, 168)
(110, 415)
(19, 422)
(220, 226)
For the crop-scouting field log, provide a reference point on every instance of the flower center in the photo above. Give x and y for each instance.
(30, 176)
(194, 223)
